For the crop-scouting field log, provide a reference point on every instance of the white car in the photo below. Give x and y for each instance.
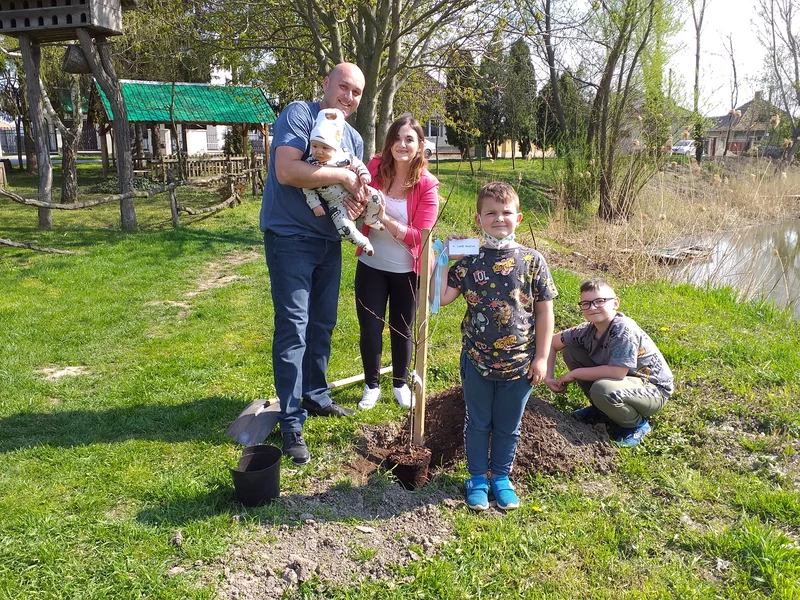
(430, 148)
(684, 148)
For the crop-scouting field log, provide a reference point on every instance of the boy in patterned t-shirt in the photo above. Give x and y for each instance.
(508, 290)
(615, 363)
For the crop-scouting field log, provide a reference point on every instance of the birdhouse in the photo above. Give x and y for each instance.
(57, 20)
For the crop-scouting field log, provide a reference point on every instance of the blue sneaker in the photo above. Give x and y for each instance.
(589, 414)
(503, 493)
(477, 492)
(628, 438)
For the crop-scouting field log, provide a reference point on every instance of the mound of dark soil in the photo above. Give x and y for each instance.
(550, 441)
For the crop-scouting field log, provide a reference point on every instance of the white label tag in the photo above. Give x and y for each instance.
(466, 247)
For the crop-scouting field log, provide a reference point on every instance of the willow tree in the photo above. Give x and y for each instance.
(629, 27)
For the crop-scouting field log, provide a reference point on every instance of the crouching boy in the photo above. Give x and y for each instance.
(615, 363)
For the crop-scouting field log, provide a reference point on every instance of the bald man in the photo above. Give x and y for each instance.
(304, 257)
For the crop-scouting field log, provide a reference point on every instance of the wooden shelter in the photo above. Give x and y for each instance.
(193, 105)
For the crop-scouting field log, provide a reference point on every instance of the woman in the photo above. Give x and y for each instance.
(411, 202)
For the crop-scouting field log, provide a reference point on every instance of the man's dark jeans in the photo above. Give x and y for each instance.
(304, 277)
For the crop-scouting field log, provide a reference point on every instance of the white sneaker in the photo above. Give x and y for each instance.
(370, 398)
(403, 396)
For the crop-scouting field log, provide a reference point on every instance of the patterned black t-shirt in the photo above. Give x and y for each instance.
(500, 287)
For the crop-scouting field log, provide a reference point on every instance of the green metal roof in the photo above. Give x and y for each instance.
(200, 103)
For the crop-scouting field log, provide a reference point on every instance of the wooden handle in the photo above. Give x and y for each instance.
(355, 378)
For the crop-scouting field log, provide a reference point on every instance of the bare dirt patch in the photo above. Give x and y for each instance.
(215, 275)
(397, 527)
(56, 373)
(219, 274)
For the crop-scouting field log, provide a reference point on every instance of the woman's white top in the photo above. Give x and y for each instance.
(390, 254)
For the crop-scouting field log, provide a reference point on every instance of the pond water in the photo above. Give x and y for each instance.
(758, 261)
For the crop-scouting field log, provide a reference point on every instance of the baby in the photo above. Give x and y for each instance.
(327, 150)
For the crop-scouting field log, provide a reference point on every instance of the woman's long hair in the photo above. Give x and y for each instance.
(386, 171)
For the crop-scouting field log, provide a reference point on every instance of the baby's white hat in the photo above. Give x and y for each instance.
(329, 127)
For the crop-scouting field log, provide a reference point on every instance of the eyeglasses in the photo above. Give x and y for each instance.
(596, 303)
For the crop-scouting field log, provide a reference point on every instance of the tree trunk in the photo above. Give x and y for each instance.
(99, 59)
(20, 142)
(154, 134)
(104, 148)
(31, 59)
(31, 162)
(69, 168)
(138, 144)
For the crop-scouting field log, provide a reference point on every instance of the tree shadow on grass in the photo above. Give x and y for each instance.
(204, 419)
(378, 498)
(164, 243)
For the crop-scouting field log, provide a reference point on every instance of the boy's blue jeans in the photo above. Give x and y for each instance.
(304, 275)
(494, 412)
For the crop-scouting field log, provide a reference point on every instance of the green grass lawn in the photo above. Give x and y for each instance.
(98, 470)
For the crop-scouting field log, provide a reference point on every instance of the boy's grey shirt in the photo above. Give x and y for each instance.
(283, 207)
(623, 344)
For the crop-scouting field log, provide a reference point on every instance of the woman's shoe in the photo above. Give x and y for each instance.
(477, 492)
(503, 493)
(370, 398)
(403, 396)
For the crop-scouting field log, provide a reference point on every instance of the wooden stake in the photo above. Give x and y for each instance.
(421, 350)
(173, 207)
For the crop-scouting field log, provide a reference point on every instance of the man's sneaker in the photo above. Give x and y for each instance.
(589, 414)
(294, 446)
(403, 396)
(630, 437)
(332, 410)
(477, 492)
(370, 397)
(503, 493)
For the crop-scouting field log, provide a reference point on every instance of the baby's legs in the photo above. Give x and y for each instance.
(346, 228)
(494, 412)
(627, 401)
(372, 209)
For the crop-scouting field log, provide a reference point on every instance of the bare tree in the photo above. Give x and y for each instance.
(698, 13)
(780, 35)
(734, 115)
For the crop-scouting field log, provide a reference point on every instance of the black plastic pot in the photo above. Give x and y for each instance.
(257, 479)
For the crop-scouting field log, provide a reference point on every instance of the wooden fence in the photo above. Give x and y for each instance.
(165, 168)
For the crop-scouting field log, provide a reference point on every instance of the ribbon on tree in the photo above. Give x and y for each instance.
(441, 262)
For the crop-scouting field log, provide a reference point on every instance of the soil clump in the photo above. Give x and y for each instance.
(550, 441)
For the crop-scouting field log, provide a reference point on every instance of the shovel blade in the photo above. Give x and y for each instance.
(255, 422)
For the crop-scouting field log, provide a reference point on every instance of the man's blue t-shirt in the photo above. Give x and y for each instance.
(283, 207)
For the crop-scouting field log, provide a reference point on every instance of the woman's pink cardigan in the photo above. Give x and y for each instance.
(423, 205)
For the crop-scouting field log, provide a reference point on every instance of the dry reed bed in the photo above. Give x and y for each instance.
(683, 205)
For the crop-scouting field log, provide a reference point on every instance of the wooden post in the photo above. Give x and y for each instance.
(173, 207)
(31, 61)
(421, 350)
(252, 173)
(104, 149)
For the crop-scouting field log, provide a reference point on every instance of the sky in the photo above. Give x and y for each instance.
(722, 17)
